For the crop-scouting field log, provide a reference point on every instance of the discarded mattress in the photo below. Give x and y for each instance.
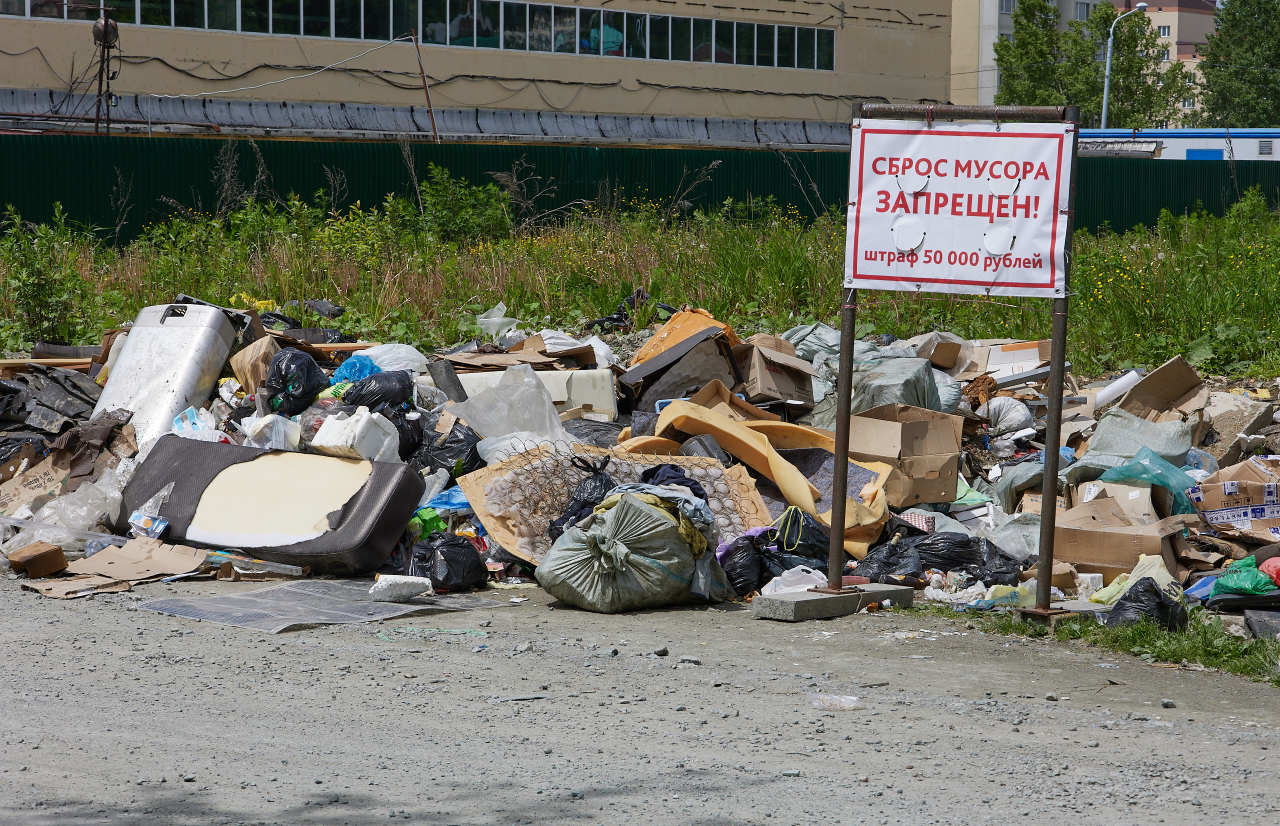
(328, 514)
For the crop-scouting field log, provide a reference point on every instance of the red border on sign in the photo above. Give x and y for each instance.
(902, 279)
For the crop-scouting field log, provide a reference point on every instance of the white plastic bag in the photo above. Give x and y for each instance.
(557, 341)
(396, 357)
(362, 435)
(271, 432)
(799, 578)
(199, 425)
(495, 322)
(517, 403)
(1006, 414)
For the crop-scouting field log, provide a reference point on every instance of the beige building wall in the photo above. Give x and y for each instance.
(900, 55)
(1189, 24)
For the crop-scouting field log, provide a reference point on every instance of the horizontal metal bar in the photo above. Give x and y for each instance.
(943, 111)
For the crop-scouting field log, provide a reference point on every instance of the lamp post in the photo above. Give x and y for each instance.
(1106, 79)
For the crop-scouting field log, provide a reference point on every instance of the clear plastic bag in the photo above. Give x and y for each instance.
(271, 432)
(518, 403)
(495, 322)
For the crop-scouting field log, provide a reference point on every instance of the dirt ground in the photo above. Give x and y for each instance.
(534, 713)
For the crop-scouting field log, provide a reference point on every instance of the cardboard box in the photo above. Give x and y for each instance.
(38, 560)
(1171, 392)
(770, 376)
(251, 364)
(1034, 503)
(922, 446)
(775, 343)
(33, 486)
(1242, 500)
(1098, 538)
(1002, 358)
(1134, 500)
(1064, 576)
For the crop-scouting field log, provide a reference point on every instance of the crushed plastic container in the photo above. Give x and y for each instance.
(362, 435)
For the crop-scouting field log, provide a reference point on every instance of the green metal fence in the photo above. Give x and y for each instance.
(99, 179)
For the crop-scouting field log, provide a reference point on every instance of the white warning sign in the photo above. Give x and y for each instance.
(978, 208)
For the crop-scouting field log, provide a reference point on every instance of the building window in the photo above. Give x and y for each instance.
(494, 24)
(659, 37)
(1164, 53)
(1188, 103)
(1264, 147)
(1082, 10)
(565, 31)
(765, 36)
(1162, 31)
(1007, 6)
(539, 28)
(681, 38)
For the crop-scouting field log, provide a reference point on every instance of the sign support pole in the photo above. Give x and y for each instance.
(1057, 365)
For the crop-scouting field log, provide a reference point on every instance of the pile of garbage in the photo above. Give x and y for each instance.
(210, 441)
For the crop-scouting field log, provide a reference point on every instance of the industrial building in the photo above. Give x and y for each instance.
(781, 61)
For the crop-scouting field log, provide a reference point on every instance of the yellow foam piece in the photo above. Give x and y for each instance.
(651, 444)
(751, 448)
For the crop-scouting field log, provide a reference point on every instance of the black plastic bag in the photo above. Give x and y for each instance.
(279, 321)
(589, 493)
(889, 560)
(409, 428)
(320, 335)
(454, 451)
(672, 475)
(1145, 600)
(293, 382)
(391, 389)
(743, 561)
(451, 562)
(799, 534)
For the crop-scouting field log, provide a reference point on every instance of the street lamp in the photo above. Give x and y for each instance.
(1106, 79)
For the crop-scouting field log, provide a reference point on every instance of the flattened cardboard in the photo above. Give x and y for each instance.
(1242, 500)
(27, 453)
(476, 362)
(922, 446)
(251, 364)
(140, 559)
(76, 586)
(36, 482)
(715, 396)
(771, 376)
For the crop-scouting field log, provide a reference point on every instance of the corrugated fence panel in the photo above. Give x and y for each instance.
(90, 176)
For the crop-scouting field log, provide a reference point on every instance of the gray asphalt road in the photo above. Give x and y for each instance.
(531, 713)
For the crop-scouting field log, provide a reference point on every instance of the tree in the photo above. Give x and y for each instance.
(1241, 84)
(1045, 66)
(1028, 63)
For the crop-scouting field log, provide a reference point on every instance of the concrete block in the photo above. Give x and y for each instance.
(797, 606)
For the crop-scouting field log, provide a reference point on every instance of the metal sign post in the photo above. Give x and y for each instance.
(980, 209)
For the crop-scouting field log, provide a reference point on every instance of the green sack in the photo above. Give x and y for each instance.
(1243, 577)
(631, 556)
(1147, 468)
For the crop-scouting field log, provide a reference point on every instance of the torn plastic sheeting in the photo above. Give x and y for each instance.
(1118, 438)
(1147, 468)
(949, 391)
(1014, 480)
(519, 403)
(1017, 535)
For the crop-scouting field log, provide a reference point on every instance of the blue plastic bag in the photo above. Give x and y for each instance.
(1147, 468)
(354, 369)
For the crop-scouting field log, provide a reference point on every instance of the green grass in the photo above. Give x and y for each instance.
(1204, 641)
(418, 271)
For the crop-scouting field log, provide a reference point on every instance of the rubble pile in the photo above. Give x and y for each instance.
(206, 441)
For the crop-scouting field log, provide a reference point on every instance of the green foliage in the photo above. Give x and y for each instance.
(41, 279)
(1196, 285)
(1042, 65)
(454, 211)
(1241, 87)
